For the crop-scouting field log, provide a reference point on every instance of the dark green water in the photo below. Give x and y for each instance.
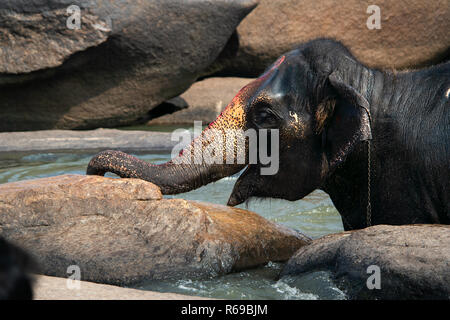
(314, 216)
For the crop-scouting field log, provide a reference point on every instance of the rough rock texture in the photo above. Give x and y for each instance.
(92, 140)
(53, 288)
(412, 34)
(414, 261)
(121, 231)
(203, 101)
(128, 57)
(51, 43)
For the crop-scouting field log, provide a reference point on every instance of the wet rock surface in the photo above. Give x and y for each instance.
(126, 58)
(121, 231)
(413, 260)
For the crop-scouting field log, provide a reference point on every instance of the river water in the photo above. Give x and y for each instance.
(314, 216)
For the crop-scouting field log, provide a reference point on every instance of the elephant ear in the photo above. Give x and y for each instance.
(349, 123)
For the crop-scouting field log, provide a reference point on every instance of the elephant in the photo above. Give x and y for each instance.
(376, 141)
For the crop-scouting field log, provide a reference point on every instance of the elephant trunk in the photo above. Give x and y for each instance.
(220, 151)
(170, 177)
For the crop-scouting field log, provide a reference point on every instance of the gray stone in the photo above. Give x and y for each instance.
(414, 261)
(121, 231)
(89, 140)
(128, 57)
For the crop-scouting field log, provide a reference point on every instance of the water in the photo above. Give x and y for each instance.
(256, 284)
(314, 215)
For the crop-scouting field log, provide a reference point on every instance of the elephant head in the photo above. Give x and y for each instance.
(316, 96)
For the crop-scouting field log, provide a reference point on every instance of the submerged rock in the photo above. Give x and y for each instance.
(125, 58)
(121, 231)
(411, 34)
(413, 261)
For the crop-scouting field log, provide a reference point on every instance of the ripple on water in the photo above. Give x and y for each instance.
(256, 284)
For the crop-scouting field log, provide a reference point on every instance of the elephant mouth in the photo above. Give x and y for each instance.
(235, 199)
(243, 189)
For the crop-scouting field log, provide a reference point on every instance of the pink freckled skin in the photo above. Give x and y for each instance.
(245, 92)
(233, 116)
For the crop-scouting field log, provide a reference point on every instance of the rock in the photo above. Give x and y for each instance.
(413, 33)
(202, 102)
(52, 41)
(121, 231)
(127, 57)
(414, 261)
(86, 140)
(53, 288)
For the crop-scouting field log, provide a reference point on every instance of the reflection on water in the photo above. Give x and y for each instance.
(314, 216)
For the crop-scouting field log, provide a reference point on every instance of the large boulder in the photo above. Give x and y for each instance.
(413, 261)
(204, 101)
(121, 231)
(413, 33)
(127, 57)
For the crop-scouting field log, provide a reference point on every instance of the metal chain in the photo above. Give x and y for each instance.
(369, 205)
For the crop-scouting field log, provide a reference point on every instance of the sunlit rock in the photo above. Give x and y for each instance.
(121, 231)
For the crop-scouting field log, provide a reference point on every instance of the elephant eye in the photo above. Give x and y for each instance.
(264, 117)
